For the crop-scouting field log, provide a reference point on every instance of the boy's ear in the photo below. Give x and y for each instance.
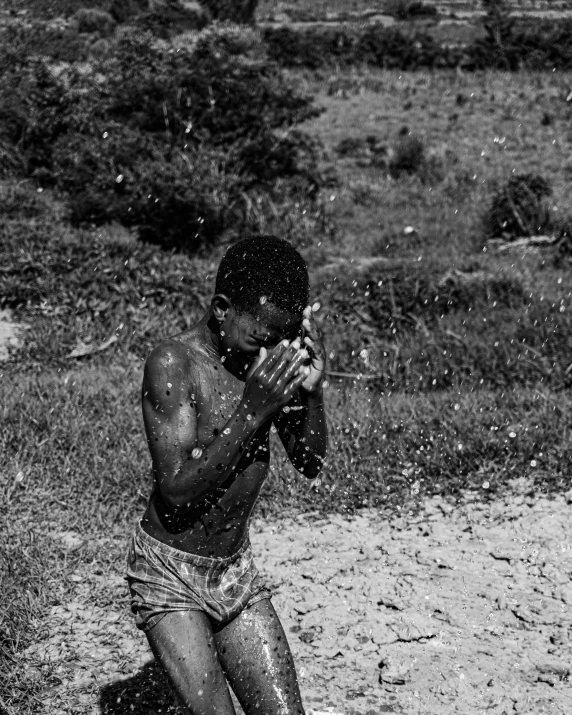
(220, 305)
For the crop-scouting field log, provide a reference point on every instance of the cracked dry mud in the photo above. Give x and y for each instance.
(453, 610)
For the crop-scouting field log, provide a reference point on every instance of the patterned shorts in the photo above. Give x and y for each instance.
(163, 579)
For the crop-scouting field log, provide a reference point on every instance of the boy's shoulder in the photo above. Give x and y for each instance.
(180, 356)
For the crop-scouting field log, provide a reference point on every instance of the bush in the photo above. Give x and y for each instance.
(92, 20)
(408, 156)
(125, 10)
(507, 45)
(176, 144)
(519, 208)
(18, 42)
(375, 45)
(100, 49)
(407, 9)
(52, 9)
(22, 201)
(237, 11)
(173, 17)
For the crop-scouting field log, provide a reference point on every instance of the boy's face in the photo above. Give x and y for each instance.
(243, 334)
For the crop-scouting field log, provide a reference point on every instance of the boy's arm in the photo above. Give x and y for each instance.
(302, 423)
(303, 432)
(185, 470)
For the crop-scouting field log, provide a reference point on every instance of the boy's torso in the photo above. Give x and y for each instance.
(216, 526)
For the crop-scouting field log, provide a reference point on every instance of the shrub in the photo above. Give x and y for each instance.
(125, 10)
(174, 143)
(22, 201)
(375, 45)
(60, 44)
(519, 208)
(91, 20)
(173, 17)
(407, 9)
(238, 11)
(290, 48)
(408, 157)
(100, 49)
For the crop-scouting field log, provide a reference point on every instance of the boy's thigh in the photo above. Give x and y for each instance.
(256, 658)
(183, 643)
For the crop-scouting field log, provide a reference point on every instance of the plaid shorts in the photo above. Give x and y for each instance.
(163, 579)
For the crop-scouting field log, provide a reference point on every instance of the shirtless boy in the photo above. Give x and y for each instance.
(211, 395)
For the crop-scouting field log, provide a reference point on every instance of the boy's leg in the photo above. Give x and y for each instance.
(258, 663)
(184, 645)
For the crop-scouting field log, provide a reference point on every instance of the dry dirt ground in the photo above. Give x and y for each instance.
(449, 610)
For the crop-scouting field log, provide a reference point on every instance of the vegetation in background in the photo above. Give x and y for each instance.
(239, 11)
(519, 208)
(450, 359)
(172, 18)
(183, 145)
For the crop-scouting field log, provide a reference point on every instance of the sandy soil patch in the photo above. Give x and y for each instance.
(465, 610)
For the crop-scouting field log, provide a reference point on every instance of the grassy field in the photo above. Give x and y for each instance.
(460, 352)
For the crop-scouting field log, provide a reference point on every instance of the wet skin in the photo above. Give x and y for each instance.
(210, 396)
(210, 445)
(215, 525)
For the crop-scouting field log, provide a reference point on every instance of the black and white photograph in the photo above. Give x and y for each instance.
(285, 357)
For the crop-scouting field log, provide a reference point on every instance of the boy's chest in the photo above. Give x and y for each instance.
(216, 405)
(218, 399)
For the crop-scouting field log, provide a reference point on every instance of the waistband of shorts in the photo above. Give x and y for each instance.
(186, 556)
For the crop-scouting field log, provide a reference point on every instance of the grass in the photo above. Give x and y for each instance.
(471, 346)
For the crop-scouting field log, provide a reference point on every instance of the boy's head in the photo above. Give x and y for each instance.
(261, 290)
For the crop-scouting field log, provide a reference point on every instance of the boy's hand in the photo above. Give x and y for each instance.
(315, 345)
(274, 378)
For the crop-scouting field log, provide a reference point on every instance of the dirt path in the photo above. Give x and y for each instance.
(452, 611)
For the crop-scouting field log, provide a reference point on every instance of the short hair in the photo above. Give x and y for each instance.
(264, 266)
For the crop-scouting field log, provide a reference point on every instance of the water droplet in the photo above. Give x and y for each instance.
(533, 462)
(119, 178)
(226, 431)
(222, 332)
(457, 406)
(286, 409)
(263, 299)
(512, 435)
(19, 477)
(486, 485)
(169, 384)
(315, 307)
(196, 453)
